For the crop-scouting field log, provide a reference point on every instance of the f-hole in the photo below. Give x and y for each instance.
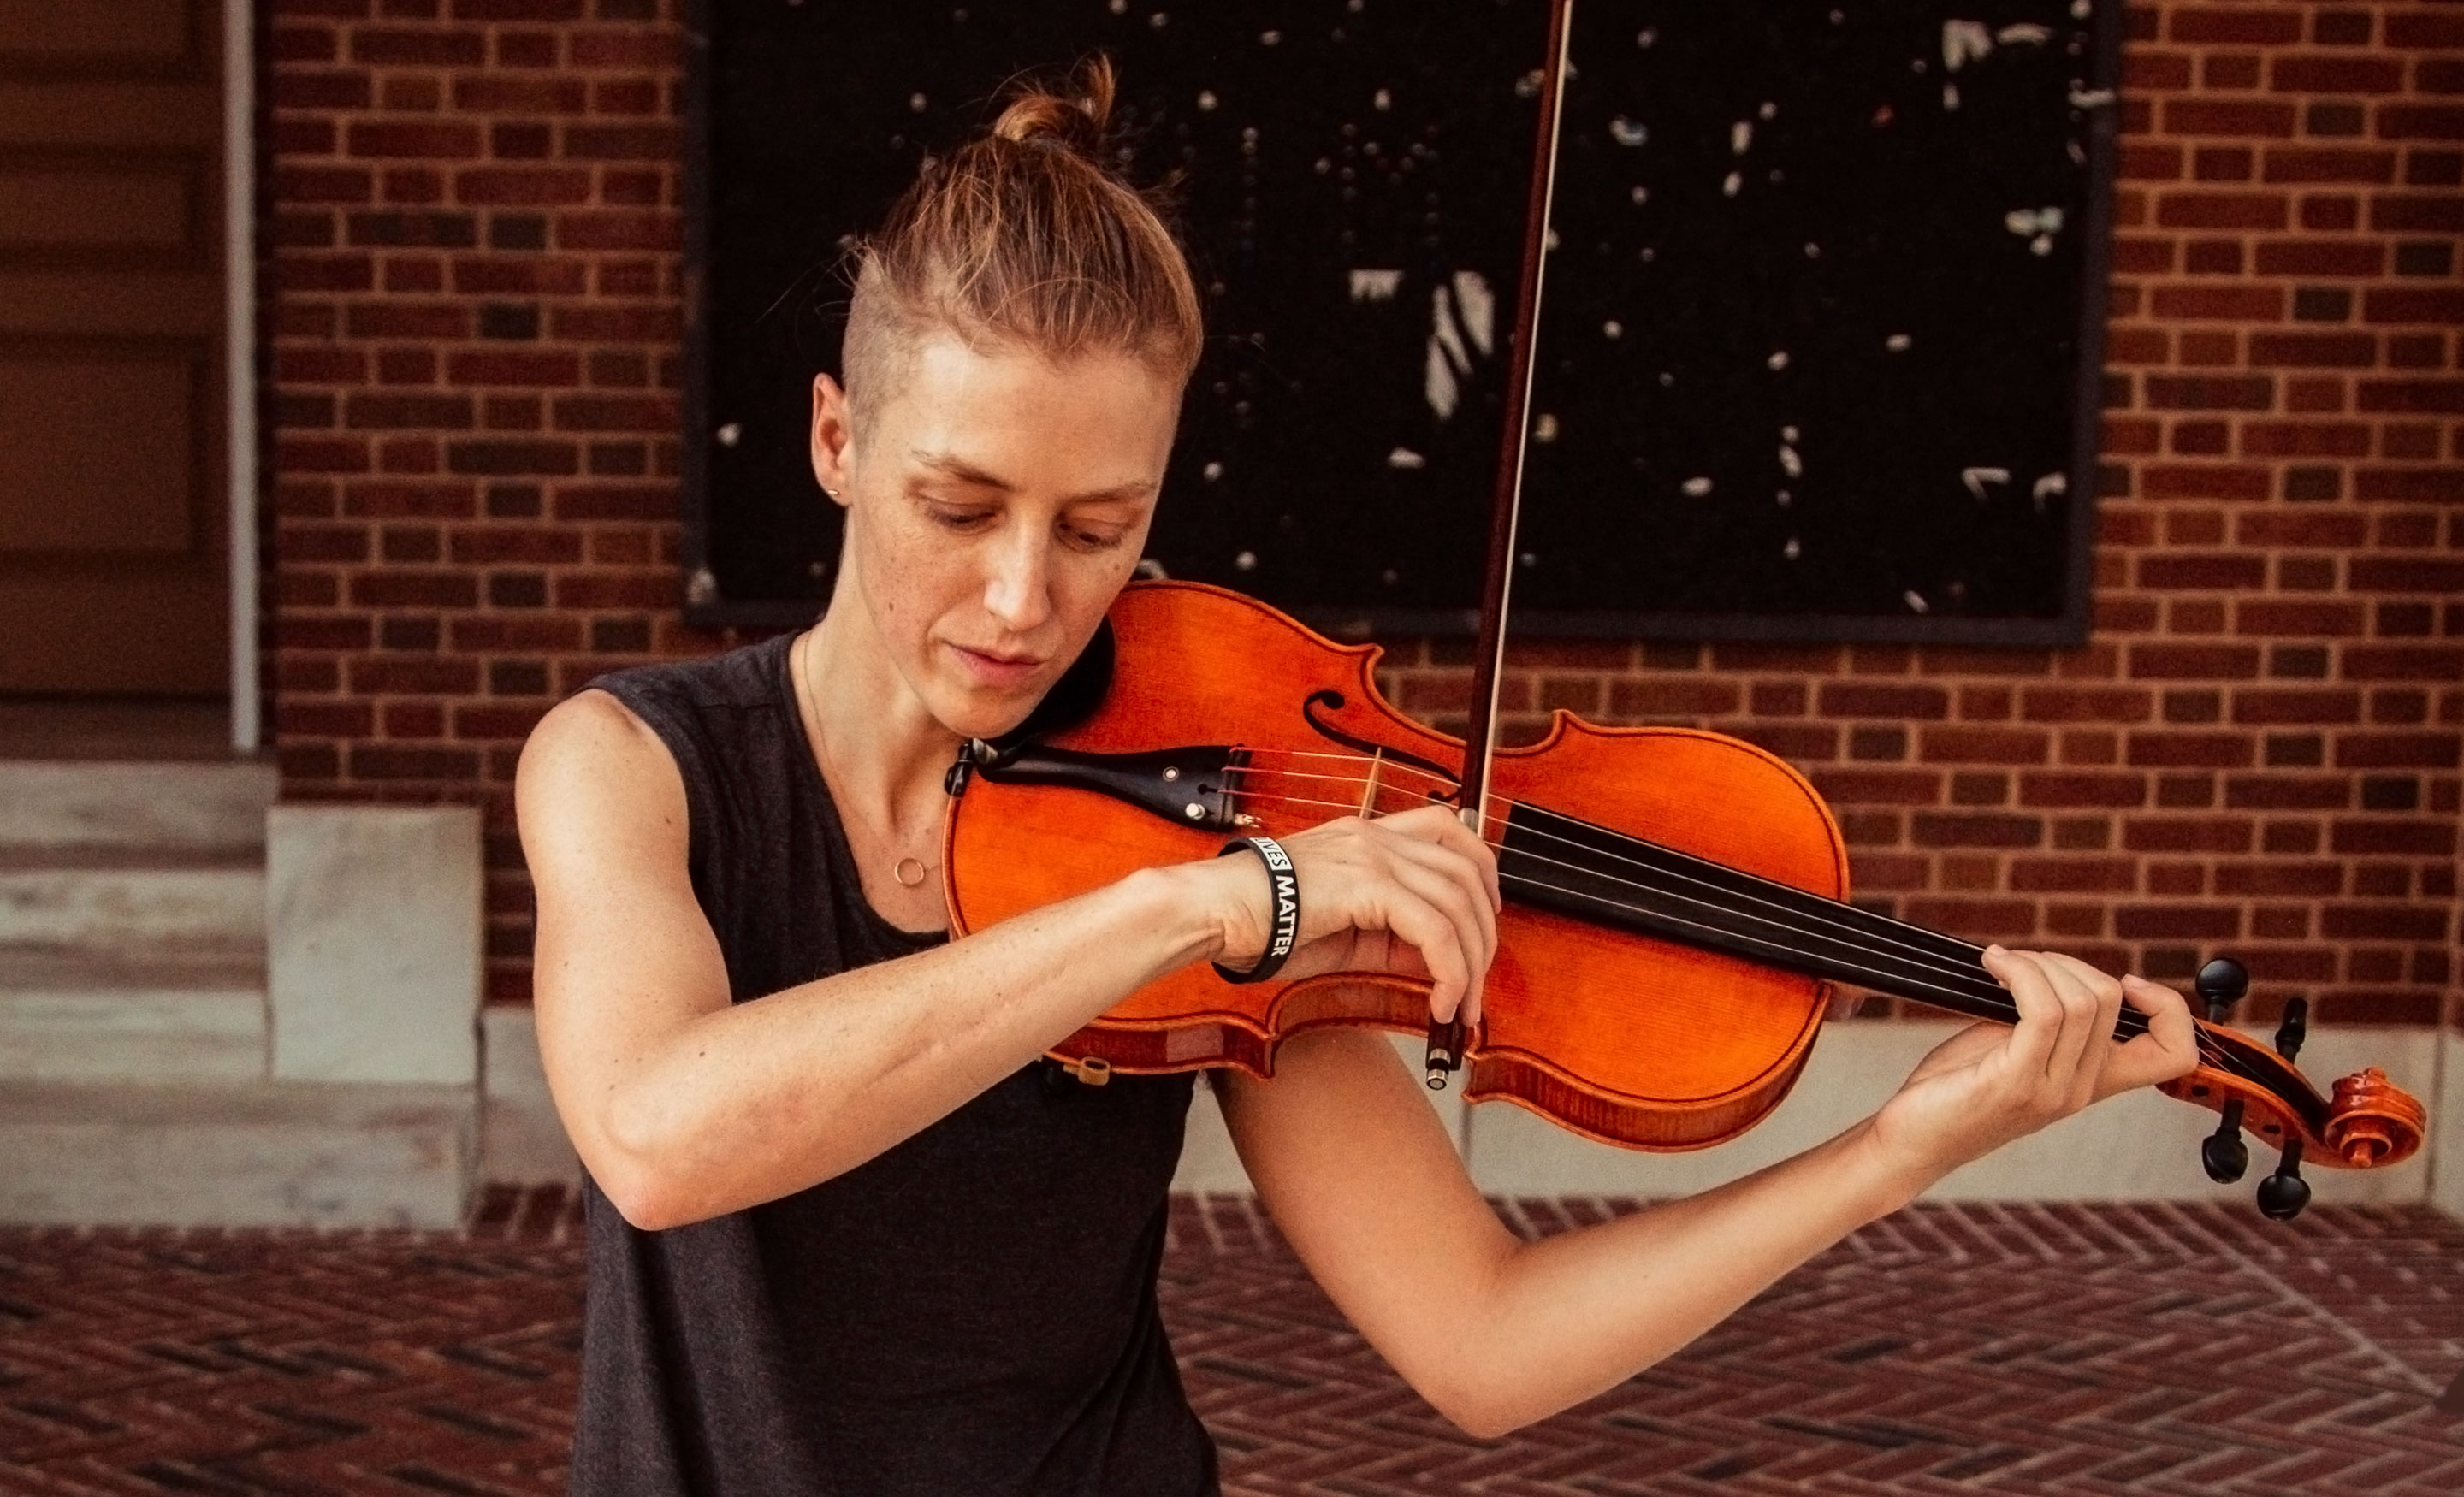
(1333, 701)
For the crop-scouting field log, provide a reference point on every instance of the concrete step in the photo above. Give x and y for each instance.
(130, 902)
(196, 808)
(86, 1019)
(266, 1154)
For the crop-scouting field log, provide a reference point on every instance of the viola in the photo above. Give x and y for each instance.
(1676, 901)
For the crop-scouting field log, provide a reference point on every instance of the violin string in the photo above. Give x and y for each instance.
(1795, 901)
(2003, 1009)
(1975, 981)
(1782, 896)
(2208, 1048)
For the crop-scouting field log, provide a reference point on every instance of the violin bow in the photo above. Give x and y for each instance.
(1446, 1040)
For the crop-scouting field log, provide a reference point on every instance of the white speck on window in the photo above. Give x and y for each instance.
(1375, 285)
(1696, 487)
(1245, 561)
(1963, 42)
(1545, 429)
(1791, 549)
(1646, 36)
(1384, 99)
(1728, 188)
(1612, 328)
(917, 102)
(1896, 342)
(1403, 457)
(1637, 195)
(1741, 136)
(731, 433)
(1213, 472)
(1271, 39)
(1628, 132)
(1915, 600)
(1206, 99)
(1790, 463)
(1977, 479)
(1778, 360)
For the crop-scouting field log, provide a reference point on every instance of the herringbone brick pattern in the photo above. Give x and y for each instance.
(2105, 1350)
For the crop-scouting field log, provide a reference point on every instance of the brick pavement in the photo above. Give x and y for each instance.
(2041, 1350)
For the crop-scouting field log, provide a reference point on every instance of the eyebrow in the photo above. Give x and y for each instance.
(966, 472)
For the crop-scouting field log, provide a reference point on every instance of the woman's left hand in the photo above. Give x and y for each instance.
(1989, 1084)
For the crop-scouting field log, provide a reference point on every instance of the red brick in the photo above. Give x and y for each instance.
(2193, 210)
(1661, 698)
(2312, 163)
(1874, 699)
(2441, 305)
(2210, 393)
(2194, 662)
(1844, 787)
(523, 187)
(2339, 258)
(2315, 350)
(2265, 26)
(2421, 121)
(2335, 73)
(420, 139)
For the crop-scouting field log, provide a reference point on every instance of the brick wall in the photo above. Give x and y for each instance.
(476, 365)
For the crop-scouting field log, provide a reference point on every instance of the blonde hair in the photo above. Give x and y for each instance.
(1025, 237)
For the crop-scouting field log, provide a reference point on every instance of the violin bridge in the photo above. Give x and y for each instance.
(1369, 786)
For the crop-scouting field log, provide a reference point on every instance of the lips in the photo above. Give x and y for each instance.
(996, 670)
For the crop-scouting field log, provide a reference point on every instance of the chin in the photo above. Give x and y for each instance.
(972, 712)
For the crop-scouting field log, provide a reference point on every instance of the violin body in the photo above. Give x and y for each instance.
(1667, 1049)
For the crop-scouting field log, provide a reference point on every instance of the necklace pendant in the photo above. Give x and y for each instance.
(909, 871)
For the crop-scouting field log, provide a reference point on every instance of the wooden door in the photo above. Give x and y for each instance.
(113, 518)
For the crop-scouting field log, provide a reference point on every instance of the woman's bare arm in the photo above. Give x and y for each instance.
(684, 1106)
(1494, 1332)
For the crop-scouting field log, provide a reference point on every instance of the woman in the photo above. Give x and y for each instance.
(844, 1235)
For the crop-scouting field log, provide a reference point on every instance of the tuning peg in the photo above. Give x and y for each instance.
(2223, 1153)
(2295, 1029)
(2282, 1194)
(2220, 985)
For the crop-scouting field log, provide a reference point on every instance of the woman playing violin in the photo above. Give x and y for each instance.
(846, 1236)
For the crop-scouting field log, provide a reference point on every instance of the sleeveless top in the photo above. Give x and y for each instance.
(972, 1312)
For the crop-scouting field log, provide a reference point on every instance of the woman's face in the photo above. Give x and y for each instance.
(996, 503)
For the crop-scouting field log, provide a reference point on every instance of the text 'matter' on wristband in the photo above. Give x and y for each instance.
(1286, 887)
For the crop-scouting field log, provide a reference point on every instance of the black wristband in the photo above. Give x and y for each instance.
(1284, 896)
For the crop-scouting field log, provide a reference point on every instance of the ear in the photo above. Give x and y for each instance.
(832, 437)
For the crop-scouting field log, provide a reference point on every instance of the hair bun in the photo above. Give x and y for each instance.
(1074, 121)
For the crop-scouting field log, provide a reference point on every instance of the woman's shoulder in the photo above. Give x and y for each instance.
(748, 676)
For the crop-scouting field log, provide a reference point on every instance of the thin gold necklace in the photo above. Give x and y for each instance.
(907, 871)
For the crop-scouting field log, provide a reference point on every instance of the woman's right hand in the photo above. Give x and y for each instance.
(1415, 894)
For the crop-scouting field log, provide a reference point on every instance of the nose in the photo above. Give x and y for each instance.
(1019, 591)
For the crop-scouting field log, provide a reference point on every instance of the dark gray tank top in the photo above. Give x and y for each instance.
(973, 1311)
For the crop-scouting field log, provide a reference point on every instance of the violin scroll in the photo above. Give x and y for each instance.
(2372, 1121)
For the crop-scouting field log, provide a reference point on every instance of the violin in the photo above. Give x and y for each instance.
(1676, 915)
